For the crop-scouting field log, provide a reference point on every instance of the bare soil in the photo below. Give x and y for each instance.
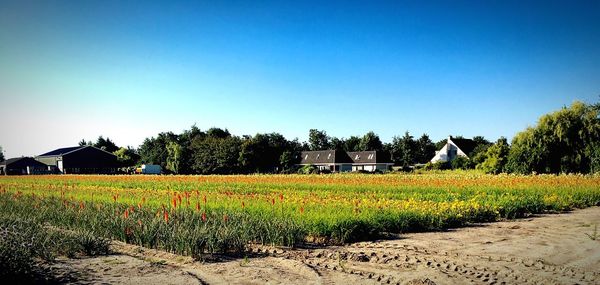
(547, 249)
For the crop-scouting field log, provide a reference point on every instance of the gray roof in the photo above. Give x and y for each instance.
(23, 161)
(466, 145)
(61, 151)
(324, 156)
(369, 157)
(340, 156)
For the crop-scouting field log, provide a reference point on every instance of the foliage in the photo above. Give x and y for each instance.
(83, 142)
(461, 162)
(318, 140)
(263, 153)
(404, 150)
(425, 149)
(218, 133)
(154, 150)
(174, 157)
(214, 155)
(370, 141)
(438, 165)
(127, 156)
(564, 141)
(106, 144)
(1, 154)
(308, 169)
(24, 240)
(495, 157)
(352, 144)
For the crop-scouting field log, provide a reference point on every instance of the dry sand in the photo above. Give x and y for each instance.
(548, 249)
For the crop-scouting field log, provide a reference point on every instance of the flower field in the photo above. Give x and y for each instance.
(193, 215)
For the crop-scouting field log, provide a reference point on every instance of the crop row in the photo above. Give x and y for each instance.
(193, 215)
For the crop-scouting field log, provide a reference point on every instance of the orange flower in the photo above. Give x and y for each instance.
(166, 217)
(204, 216)
(126, 214)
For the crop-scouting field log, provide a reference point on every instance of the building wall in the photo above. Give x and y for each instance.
(448, 153)
(91, 158)
(48, 160)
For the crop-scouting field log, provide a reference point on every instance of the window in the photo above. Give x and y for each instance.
(306, 157)
(371, 156)
(357, 157)
(318, 154)
(329, 156)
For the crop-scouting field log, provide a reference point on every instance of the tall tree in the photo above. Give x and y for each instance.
(352, 144)
(495, 157)
(185, 141)
(425, 149)
(154, 150)
(127, 156)
(218, 133)
(84, 143)
(318, 140)
(262, 152)
(216, 155)
(370, 141)
(404, 150)
(563, 141)
(2, 154)
(337, 144)
(106, 144)
(174, 157)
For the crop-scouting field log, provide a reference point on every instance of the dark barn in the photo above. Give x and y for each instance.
(23, 166)
(81, 160)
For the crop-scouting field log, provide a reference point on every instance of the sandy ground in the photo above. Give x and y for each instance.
(548, 249)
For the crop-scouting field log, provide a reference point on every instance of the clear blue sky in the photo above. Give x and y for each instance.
(130, 69)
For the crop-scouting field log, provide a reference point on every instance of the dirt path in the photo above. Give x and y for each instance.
(550, 249)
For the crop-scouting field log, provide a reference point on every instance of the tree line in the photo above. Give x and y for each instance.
(565, 141)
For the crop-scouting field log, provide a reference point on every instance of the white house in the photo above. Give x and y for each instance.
(454, 148)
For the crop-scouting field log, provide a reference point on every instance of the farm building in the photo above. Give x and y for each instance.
(342, 161)
(81, 160)
(454, 148)
(23, 166)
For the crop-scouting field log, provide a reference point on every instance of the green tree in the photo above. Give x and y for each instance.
(404, 150)
(216, 155)
(106, 144)
(461, 162)
(352, 144)
(154, 150)
(174, 151)
(84, 143)
(185, 141)
(318, 140)
(440, 144)
(2, 154)
(262, 153)
(218, 133)
(562, 142)
(337, 144)
(425, 149)
(127, 156)
(495, 157)
(370, 141)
